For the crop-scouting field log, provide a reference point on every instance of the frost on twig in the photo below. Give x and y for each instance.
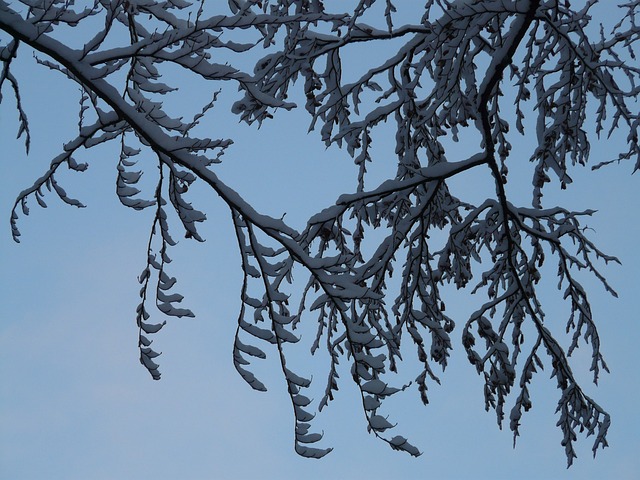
(482, 73)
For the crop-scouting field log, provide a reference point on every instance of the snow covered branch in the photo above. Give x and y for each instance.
(463, 72)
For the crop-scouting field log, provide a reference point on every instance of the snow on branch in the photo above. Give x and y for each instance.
(479, 73)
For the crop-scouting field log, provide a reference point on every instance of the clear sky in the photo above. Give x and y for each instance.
(76, 404)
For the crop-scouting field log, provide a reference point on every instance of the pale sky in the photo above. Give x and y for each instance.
(76, 404)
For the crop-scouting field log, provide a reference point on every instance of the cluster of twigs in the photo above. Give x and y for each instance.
(456, 69)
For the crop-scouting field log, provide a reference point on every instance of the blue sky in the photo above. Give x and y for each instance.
(76, 404)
